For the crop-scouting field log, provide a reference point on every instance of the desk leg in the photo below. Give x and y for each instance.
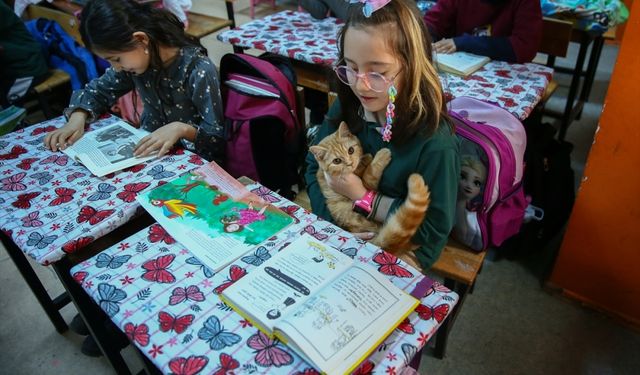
(231, 14)
(443, 332)
(569, 113)
(594, 58)
(51, 307)
(93, 317)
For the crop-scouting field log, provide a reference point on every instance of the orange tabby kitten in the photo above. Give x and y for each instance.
(341, 153)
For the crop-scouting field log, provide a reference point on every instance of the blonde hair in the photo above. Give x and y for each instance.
(475, 164)
(420, 99)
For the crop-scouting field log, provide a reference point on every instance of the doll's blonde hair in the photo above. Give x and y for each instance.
(475, 164)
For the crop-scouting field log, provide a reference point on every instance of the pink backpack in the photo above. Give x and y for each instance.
(265, 139)
(491, 201)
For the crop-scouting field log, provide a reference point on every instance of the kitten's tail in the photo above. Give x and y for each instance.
(396, 233)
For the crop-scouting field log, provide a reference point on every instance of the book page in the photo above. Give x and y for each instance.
(108, 149)
(462, 63)
(213, 215)
(343, 322)
(266, 294)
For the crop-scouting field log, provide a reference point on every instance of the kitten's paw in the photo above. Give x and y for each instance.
(383, 157)
(366, 159)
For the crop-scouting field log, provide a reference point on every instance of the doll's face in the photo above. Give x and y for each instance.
(470, 182)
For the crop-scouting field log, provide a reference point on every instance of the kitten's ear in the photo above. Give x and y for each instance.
(343, 130)
(318, 151)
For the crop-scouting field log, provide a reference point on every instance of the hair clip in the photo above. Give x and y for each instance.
(370, 6)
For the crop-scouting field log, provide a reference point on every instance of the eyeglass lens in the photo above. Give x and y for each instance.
(375, 81)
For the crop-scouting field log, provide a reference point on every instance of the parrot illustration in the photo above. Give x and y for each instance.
(173, 208)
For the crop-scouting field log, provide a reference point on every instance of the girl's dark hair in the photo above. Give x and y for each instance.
(420, 98)
(108, 25)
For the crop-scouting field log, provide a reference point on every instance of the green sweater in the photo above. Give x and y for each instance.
(20, 54)
(435, 158)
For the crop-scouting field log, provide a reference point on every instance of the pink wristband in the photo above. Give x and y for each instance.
(363, 205)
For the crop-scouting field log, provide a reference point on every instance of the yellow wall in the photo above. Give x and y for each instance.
(599, 260)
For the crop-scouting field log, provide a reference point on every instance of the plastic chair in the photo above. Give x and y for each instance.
(253, 3)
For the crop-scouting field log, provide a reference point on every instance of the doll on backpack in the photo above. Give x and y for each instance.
(473, 175)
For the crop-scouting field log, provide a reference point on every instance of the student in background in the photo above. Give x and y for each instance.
(506, 30)
(23, 64)
(316, 100)
(150, 52)
(319, 9)
(383, 56)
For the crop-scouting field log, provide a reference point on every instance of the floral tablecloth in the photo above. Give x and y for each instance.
(515, 87)
(167, 302)
(51, 206)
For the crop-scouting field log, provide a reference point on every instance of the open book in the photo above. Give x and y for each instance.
(460, 63)
(213, 215)
(108, 149)
(332, 310)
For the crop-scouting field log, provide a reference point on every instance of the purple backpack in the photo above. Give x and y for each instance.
(491, 201)
(265, 139)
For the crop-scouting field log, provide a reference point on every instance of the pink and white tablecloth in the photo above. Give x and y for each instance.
(51, 206)
(515, 87)
(167, 302)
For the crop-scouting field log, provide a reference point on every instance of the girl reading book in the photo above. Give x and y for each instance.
(149, 52)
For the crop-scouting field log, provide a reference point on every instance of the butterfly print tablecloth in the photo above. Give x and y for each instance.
(51, 205)
(167, 302)
(515, 87)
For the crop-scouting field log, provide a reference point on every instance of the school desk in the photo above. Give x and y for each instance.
(149, 278)
(52, 208)
(311, 45)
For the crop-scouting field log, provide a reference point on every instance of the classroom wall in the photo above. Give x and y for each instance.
(599, 260)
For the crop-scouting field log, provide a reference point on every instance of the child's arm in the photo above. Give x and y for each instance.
(204, 89)
(441, 19)
(207, 135)
(87, 105)
(518, 47)
(100, 94)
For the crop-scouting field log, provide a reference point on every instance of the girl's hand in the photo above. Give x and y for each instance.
(348, 185)
(73, 130)
(445, 46)
(161, 140)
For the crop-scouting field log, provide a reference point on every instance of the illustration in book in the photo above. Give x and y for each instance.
(213, 214)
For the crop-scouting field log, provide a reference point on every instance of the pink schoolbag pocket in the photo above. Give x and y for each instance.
(491, 201)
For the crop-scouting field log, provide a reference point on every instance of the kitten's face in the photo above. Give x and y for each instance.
(339, 153)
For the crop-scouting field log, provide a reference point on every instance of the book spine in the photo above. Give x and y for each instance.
(247, 317)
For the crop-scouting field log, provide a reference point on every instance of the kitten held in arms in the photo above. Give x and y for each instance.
(341, 153)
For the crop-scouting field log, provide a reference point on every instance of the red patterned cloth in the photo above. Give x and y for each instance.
(515, 87)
